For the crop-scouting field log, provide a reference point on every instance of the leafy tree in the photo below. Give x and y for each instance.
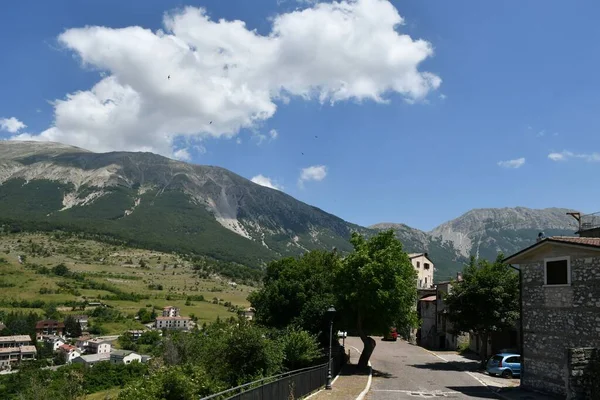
(72, 327)
(51, 312)
(126, 343)
(376, 288)
(297, 291)
(485, 301)
(61, 270)
(300, 348)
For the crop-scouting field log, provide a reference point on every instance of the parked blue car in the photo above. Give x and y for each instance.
(506, 365)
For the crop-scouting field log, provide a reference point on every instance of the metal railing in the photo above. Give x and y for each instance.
(589, 221)
(289, 385)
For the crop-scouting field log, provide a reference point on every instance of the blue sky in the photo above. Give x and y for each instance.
(494, 83)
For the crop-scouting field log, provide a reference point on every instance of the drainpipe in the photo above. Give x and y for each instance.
(521, 333)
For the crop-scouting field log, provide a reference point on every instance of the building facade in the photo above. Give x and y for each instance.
(124, 357)
(49, 327)
(14, 349)
(560, 294)
(97, 346)
(424, 267)
(170, 311)
(179, 323)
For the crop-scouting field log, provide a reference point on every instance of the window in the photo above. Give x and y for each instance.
(426, 265)
(513, 360)
(420, 282)
(557, 271)
(418, 264)
(425, 281)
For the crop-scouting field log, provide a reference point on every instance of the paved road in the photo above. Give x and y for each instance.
(405, 372)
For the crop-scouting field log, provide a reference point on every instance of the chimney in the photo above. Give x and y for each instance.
(459, 276)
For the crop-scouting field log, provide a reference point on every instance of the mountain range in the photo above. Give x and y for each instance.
(153, 201)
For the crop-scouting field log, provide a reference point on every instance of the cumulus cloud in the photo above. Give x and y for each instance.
(273, 134)
(11, 125)
(566, 155)
(182, 154)
(312, 173)
(225, 77)
(516, 163)
(267, 182)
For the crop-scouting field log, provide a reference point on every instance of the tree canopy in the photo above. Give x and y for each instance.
(486, 300)
(373, 288)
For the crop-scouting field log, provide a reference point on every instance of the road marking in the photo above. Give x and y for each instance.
(477, 379)
(362, 394)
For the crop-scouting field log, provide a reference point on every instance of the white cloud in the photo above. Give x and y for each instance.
(516, 163)
(225, 77)
(238, 141)
(312, 173)
(11, 125)
(541, 133)
(443, 96)
(566, 155)
(182, 154)
(267, 182)
(274, 134)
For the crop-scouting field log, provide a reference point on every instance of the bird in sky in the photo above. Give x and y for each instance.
(210, 123)
(169, 77)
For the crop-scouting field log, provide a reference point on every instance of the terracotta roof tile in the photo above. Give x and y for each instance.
(589, 241)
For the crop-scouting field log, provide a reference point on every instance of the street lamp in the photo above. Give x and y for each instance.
(330, 313)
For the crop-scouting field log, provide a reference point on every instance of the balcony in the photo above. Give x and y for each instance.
(589, 224)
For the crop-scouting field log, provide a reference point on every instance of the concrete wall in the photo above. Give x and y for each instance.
(428, 332)
(558, 318)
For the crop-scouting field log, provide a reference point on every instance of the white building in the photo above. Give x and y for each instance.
(53, 342)
(180, 323)
(91, 359)
(124, 357)
(170, 311)
(424, 267)
(98, 346)
(69, 352)
(14, 349)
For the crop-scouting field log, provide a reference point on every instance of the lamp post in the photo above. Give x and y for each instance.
(330, 313)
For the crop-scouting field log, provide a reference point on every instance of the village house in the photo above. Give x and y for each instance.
(170, 311)
(427, 314)
(82, 341)
(68, 352)
(91, 359)
(424, 267)
(53, 342)
(124, 357)
(98, 346)
(49, 327)
(14, 349)
(177, 323)
(560, 300)
(249, 313)
(135, 334)
(82, 320)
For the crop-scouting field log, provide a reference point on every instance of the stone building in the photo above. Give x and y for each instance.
(560, 300)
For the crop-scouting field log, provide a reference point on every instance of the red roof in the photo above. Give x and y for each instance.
(49, 323)
(67, 347)
(589, 241)
(428, 298)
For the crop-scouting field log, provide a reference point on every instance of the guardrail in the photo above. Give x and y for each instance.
(289, 385)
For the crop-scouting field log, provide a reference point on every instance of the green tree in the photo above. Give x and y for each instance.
(72, 327)
(297, 291)
(300, 348)
(51, 312)
(485, 301)
(376, 288)
(61, 270)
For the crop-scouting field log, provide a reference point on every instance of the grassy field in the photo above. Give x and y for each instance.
(109, 394)
(128, 270)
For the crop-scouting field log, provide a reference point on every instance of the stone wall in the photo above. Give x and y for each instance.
(583, 368)
(558, 318)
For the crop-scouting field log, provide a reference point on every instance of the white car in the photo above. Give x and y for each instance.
(342, 334)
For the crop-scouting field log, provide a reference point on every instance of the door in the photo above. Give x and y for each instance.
(514, 363)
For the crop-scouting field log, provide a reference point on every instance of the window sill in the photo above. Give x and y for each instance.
(562, 285)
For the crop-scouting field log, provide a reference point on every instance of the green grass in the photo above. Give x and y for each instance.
(109, 394)
(117, 266)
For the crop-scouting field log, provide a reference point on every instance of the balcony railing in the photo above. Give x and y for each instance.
(589, 221)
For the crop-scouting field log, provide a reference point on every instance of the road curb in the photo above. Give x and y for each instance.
(362, 394)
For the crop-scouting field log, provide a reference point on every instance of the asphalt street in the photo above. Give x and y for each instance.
(403, 371)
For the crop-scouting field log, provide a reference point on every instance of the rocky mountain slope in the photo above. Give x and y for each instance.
(148, 199)
(152, 201)
(485, 233)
